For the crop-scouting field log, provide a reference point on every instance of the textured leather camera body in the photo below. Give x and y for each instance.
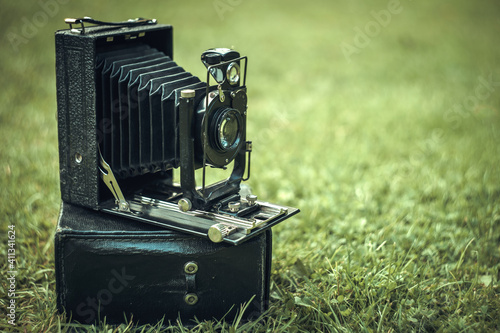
(82, 126)
(107, 266)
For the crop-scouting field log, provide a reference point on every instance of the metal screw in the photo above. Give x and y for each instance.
(251, 198)
(191, 267)
(234, 206)
(191, 299)
(124, 206)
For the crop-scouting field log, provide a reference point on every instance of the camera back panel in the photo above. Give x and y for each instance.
(95, 112)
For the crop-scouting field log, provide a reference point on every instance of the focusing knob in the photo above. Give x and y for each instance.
(218, 231)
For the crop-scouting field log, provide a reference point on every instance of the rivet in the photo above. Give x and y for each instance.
(191, 267)
(191, 299)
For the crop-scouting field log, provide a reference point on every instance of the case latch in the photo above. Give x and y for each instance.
(190, 268)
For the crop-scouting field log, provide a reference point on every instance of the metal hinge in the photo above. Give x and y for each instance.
(109, 179)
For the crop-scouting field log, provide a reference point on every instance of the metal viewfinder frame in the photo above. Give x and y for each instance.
(205, 122)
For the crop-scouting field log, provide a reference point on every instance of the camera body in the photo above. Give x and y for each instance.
(128, 116)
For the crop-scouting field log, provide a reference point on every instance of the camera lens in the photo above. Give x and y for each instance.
(228, 129)
(225, 133)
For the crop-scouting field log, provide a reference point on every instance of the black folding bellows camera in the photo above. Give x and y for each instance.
(129, 116)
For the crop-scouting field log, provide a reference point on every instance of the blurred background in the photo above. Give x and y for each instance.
(379, 120)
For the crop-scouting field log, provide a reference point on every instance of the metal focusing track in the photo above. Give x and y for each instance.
(219, 225)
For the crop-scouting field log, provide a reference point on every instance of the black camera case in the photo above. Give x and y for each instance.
(108, 266)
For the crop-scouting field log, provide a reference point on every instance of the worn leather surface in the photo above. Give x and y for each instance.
(114, 267)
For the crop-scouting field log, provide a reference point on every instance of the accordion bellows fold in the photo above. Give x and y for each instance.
(136, 114)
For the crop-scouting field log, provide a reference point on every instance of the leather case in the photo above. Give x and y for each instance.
(107, 266)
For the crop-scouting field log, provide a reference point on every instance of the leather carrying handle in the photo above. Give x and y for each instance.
(129, 23)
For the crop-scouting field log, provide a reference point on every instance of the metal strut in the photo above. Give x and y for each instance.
(109, 179)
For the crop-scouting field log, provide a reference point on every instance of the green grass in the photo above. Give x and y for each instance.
(399, 193)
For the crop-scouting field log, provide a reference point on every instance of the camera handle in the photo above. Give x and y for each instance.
(86, 19)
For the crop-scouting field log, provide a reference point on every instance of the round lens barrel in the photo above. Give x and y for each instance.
(228, 131)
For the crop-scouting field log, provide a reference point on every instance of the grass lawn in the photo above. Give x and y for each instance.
(380, 120)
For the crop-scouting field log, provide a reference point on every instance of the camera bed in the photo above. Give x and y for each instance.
(218, 224)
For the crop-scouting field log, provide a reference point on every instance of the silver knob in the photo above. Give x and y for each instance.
(185, 204)
(217, 232)
(234, 206)
(251, 198)
(187, 93)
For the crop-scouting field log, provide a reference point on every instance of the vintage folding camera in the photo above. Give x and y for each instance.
(129, 117)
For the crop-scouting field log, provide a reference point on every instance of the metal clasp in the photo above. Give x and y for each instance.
(222, 97)
(72, 21)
